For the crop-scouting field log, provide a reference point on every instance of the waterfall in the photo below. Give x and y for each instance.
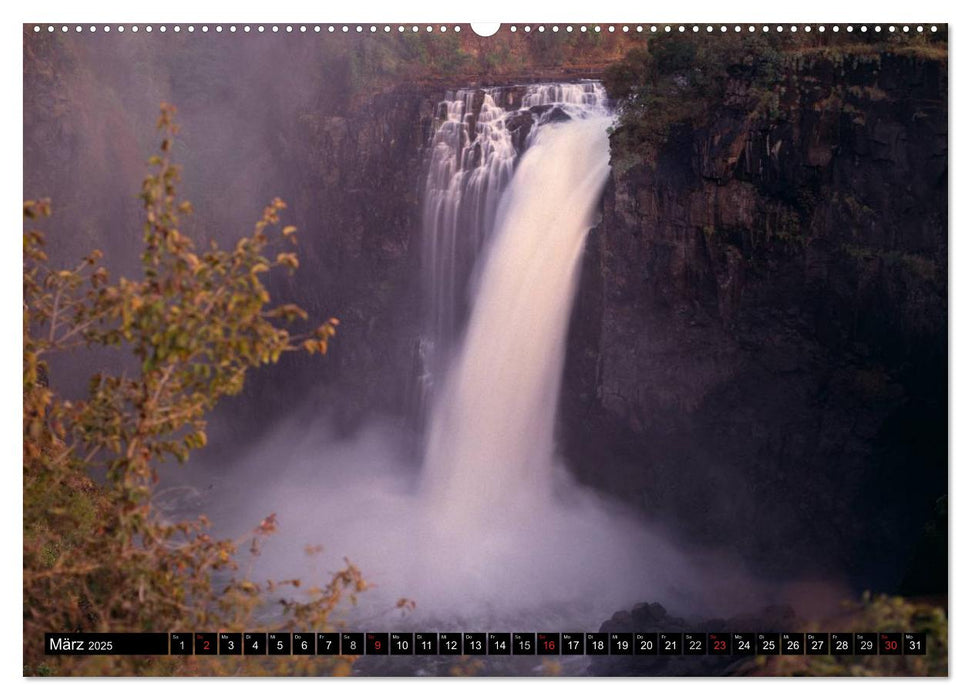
(490, 449)
(471, 159)
(489, 533)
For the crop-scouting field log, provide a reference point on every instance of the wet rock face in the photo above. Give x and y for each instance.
(519, 125)
(357, 180)
(758, 351)
(550, 113)
(473, 114)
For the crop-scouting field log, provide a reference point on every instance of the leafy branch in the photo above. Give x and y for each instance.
(96, 555)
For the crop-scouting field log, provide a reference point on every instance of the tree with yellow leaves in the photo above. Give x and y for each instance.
(96, 555)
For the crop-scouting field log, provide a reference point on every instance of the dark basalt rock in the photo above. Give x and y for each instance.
(519, 125)
(550, 113)
(758, 352)
(652, 617)
(478, 97)
(511, 97)
(646, 615)
(557, 114)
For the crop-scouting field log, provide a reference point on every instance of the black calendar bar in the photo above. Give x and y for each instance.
(104, 644)
(487, 643)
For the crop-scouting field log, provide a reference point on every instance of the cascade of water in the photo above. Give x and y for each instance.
(490, 440)
(471, 159)
(588, 97)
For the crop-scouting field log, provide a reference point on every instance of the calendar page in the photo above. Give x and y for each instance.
(526, 349)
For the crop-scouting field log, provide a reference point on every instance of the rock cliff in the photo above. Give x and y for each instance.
(758, 353)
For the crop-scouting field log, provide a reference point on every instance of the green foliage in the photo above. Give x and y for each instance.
(382, 61)
(96, 555)
(678, 79)
(549, 49)
(918, 266)
(386, 60)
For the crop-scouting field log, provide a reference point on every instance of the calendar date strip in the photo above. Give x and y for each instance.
(486, 643)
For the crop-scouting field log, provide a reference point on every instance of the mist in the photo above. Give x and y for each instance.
(574, 559)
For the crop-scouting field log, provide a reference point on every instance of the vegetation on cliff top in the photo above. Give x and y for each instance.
(673, 79)
(383, 61)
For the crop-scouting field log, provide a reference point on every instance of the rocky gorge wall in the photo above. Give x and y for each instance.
(357, 193)
(758, 354)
